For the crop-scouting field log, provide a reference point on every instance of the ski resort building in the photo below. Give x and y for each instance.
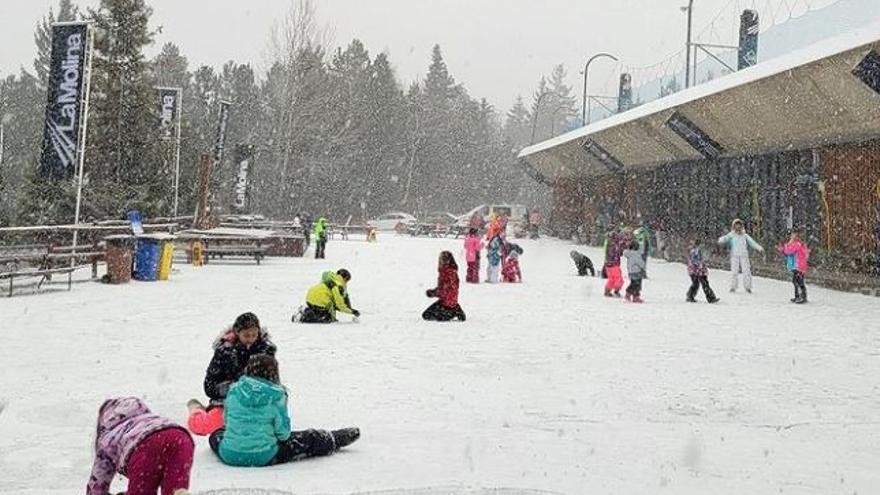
(791, 142)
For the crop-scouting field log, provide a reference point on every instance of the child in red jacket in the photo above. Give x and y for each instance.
(446, 308)
(510, 272)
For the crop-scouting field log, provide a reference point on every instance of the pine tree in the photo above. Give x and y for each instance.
(123, 163)
(672, 86)
(67, 12)
(517, 125)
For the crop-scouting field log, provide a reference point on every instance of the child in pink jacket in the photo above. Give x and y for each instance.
(150, 450)
(472, 247)
(797, 255)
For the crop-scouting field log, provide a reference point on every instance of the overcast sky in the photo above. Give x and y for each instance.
(497, 48)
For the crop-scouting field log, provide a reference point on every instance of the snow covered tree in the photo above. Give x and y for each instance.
(122, 162)
(517, 125)
(67, 12)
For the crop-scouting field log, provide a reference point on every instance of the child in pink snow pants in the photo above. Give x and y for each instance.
(153, 452)
(613, 251)
(472, 247)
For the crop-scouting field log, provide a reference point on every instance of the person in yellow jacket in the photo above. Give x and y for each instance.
(323, 300)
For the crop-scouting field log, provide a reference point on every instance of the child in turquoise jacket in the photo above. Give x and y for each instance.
(257, 425)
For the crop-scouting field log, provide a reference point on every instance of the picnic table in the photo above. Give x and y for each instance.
(228, 242)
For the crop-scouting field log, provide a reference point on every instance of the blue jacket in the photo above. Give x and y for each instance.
(256, 419)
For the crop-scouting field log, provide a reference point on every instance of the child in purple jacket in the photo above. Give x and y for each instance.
(150, 450)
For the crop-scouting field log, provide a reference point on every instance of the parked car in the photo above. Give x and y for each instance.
(393, 221)
(441, 218)
(515, 213)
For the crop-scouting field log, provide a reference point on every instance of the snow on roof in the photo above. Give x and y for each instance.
(812, 53)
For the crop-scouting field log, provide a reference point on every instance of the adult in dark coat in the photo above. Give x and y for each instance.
(232, 350)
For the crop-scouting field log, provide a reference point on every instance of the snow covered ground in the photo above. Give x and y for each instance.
(548, 387)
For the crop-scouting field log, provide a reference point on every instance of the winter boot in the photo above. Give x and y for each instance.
(800, 300)
(298, 315)
(194, 404)
(607, 293)
(617, 293)
(637, 299)
(345, 436)
(627, 297)
(713, 300)
(691, 299)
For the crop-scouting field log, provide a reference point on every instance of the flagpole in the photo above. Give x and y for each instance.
(90, 36)
(177, 153)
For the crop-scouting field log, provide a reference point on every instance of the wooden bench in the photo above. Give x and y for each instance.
(54, 260)
(46, 274)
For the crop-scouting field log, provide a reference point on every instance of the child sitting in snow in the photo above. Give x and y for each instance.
(699, 274)
(635, 268)
(446, 308)
(797, 255)
(324, 299)
(232, 350)
(150, 450)
(510, 272)
(257, 425)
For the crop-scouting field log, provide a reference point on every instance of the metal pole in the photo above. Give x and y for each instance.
(1, 143)
(584, 114)
(85, 126)
(687, 65)
(177, 153)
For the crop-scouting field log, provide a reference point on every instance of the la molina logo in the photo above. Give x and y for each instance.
(63, 125)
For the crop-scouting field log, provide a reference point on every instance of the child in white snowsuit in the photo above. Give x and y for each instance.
(635, 268)
(738, 242)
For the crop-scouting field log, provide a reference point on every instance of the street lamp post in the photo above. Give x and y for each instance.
(687, 64)
(584, 114)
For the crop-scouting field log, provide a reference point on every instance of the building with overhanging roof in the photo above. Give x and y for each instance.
(791, 142)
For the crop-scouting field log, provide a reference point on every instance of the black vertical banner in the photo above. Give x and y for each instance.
(625, 93)
(244, 157)
(748, 39)
(66, 101)
(222, 125)
(169, 99)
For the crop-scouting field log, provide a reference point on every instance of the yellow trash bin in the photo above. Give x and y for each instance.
(197, 252)
(167, 253)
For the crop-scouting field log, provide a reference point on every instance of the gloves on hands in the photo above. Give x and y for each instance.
(431, 292)
(356, 313)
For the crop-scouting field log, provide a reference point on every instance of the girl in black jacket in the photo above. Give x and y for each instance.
(232, 350)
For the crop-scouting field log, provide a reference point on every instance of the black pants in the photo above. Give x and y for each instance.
(696, 282)
(314, 314)
(320, 245)
(635, 286)
(300, 445)
(800, 289)
(438, 312)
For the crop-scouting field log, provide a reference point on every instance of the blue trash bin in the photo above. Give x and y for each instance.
(146, 263)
